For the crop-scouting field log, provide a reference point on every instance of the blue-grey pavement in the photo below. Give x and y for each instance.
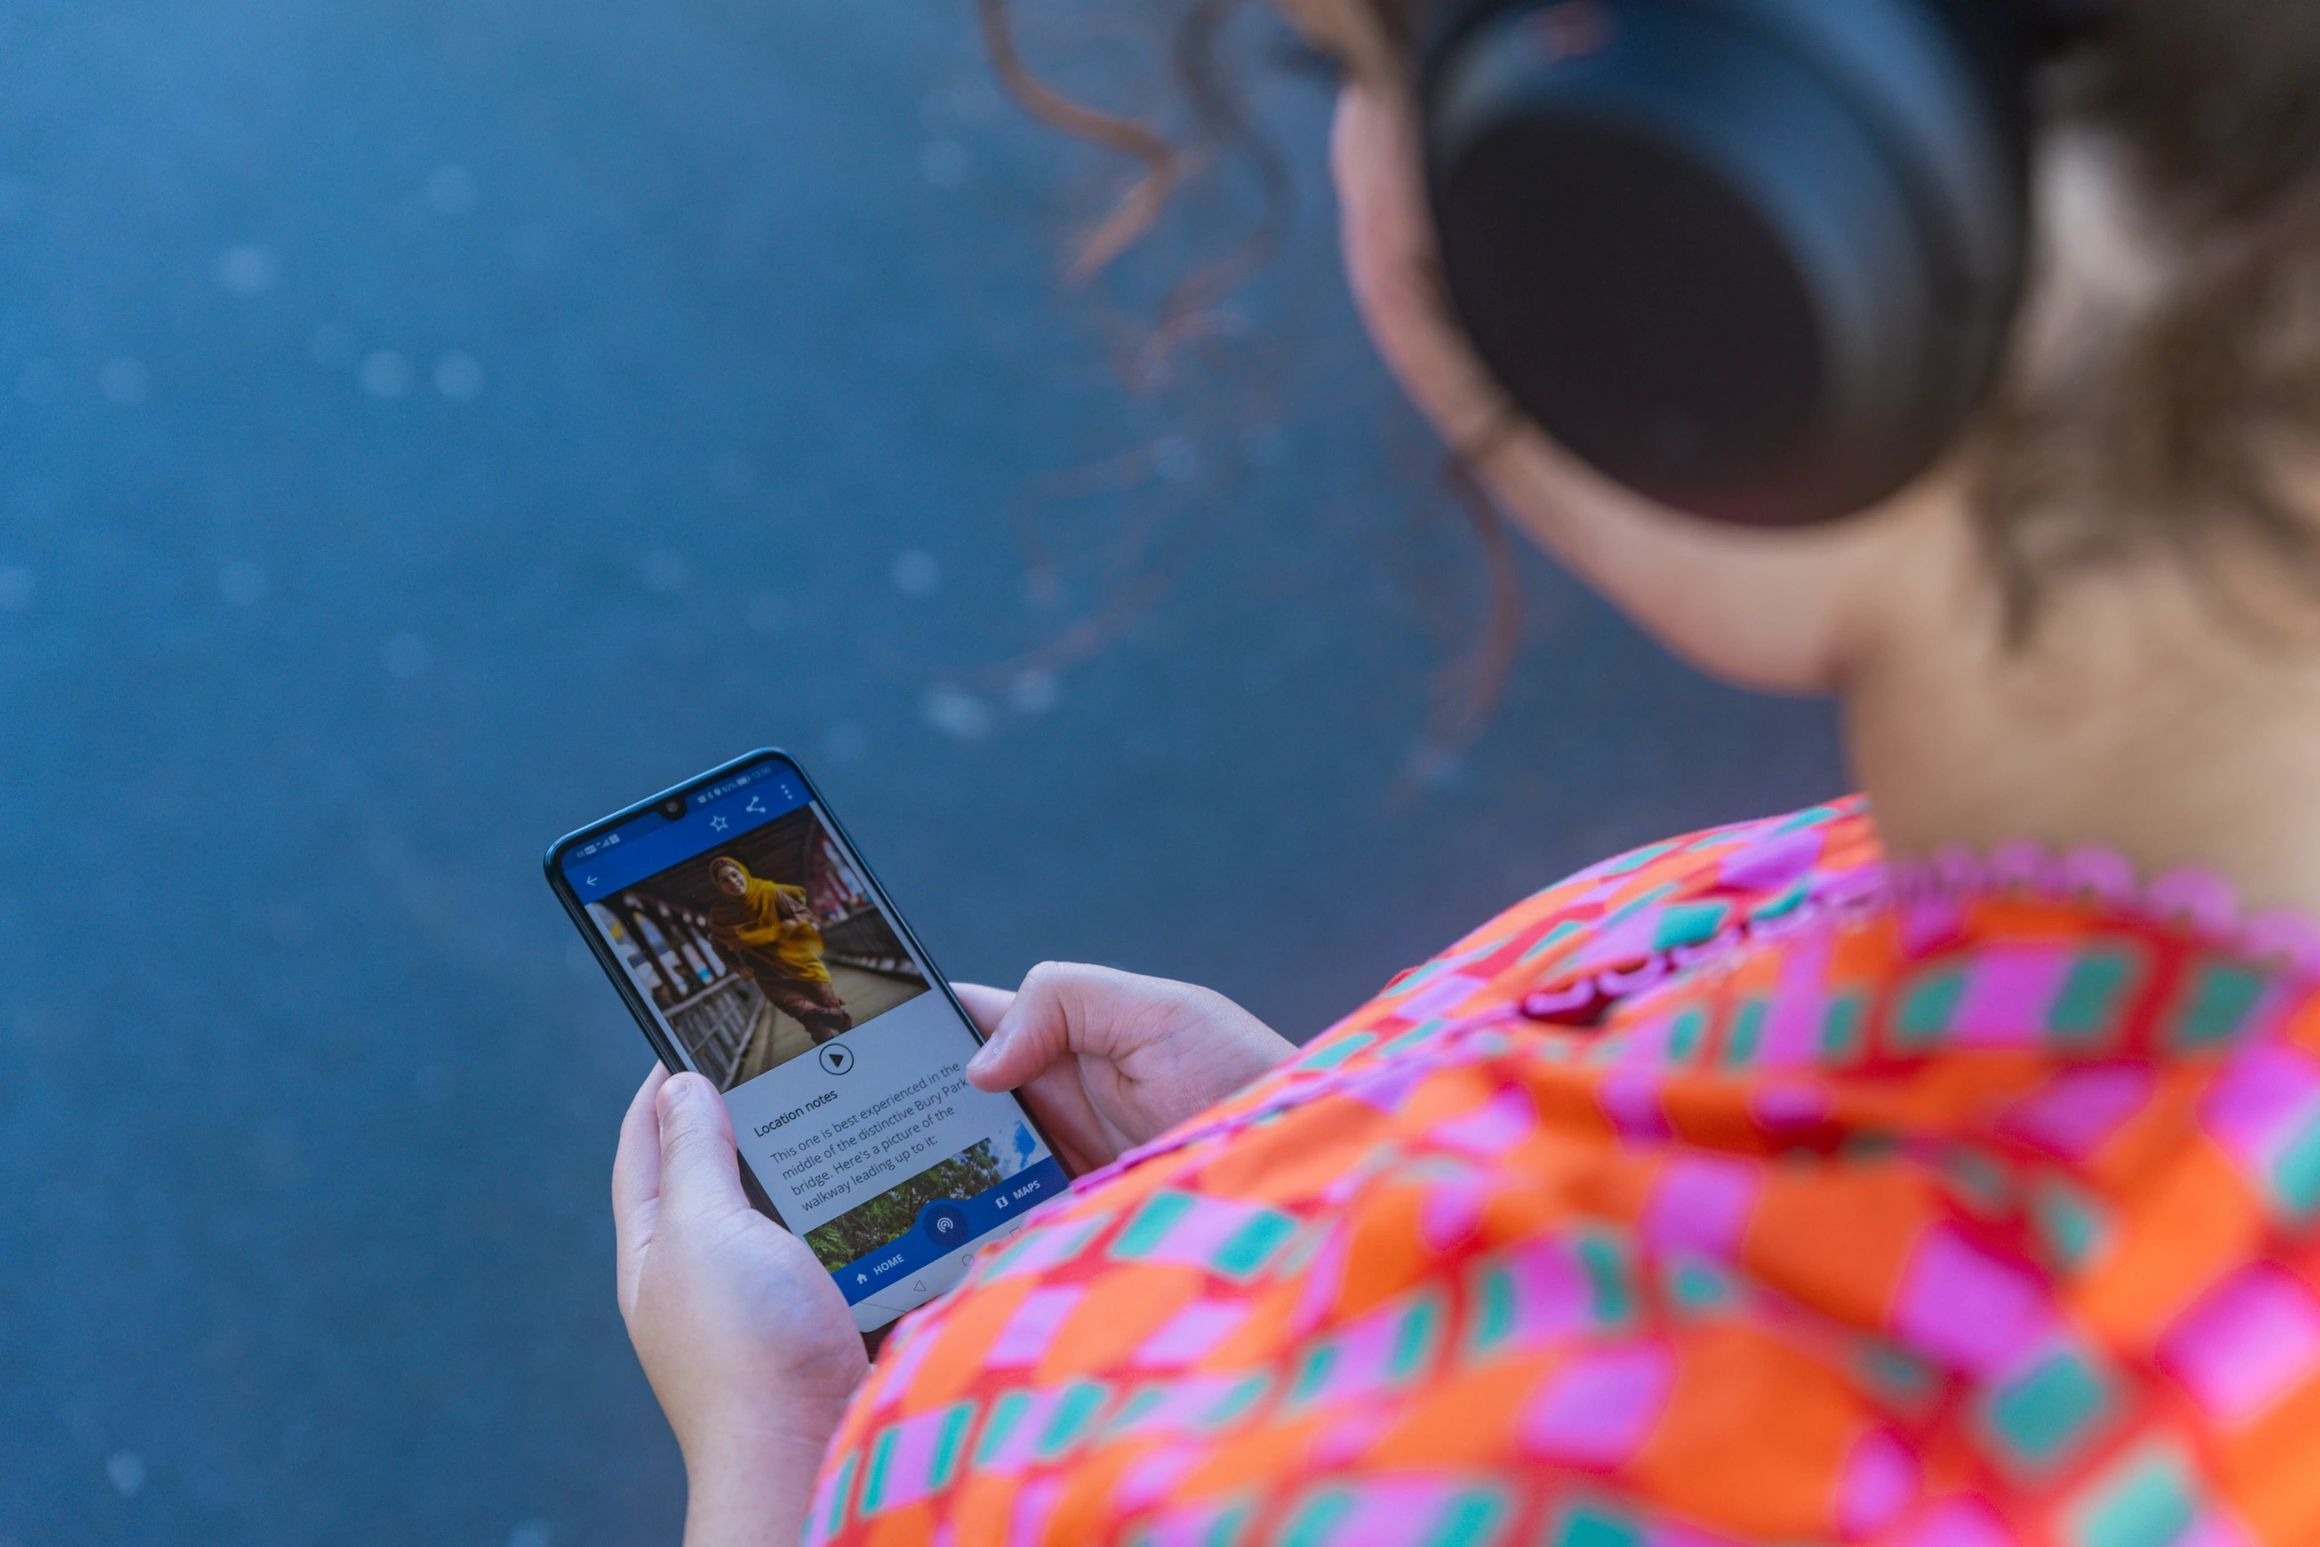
(427, 425)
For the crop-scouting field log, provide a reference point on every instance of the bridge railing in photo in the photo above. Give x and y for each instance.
(864, 940)
(716, 1024)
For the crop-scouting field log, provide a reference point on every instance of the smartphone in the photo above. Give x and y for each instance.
(753, 946)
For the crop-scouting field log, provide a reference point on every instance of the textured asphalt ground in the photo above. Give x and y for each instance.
(426, 425)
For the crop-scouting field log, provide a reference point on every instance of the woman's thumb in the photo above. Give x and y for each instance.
(1037, 1028)
(698, 1166)
(1018, 1049)
(989, 1068)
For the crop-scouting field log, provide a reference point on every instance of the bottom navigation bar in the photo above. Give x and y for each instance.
(947, 1224)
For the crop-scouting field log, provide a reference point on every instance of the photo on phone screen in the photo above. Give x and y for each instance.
(767, 960)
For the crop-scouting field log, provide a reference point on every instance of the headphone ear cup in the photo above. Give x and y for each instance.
(1753, 259)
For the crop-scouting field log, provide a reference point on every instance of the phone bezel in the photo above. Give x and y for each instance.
(641, 1010)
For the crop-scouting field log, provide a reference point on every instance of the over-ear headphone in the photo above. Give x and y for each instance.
(1753, 259)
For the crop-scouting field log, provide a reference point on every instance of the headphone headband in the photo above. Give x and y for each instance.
(2046, 25)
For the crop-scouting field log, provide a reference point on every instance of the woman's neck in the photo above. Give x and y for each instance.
(2176, 724)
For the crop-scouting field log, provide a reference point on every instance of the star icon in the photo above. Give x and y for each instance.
(718, 823)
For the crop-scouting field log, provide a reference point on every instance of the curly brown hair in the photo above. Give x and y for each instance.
(2187, 422)
(2178, 429)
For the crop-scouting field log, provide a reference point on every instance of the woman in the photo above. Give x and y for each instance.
(768, 929)
(1937, 1167)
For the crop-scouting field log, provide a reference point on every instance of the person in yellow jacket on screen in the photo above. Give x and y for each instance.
(767, 929)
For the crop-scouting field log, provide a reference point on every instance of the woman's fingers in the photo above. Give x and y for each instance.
(699, 1173)
(986, 1004)
(636, 1180)
(1054, 1094)
(1035, 1030)
(1069, 1007)
(1058, 1102)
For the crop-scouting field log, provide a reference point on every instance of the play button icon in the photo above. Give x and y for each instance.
(837, 1058)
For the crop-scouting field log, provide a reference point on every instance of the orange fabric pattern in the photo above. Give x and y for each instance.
(1742, 1189)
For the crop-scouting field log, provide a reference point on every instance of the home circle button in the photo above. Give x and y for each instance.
(837, 1058)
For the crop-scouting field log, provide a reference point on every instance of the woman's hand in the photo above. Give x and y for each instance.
(742, 1332)
(1108, 1060)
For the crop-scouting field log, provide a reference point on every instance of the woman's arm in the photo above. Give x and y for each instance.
(753, 1489)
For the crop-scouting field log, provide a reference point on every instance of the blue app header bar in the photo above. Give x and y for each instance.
(648, 844)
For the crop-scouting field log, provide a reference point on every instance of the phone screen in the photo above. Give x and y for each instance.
(767, 959)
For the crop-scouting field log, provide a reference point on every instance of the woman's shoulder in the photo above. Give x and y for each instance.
(1628, 921)
(1793, 948)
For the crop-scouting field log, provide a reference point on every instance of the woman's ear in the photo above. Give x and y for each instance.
(1779, 611)
(1391, 265)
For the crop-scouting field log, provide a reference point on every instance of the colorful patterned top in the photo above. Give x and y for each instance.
(1742, 1189)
